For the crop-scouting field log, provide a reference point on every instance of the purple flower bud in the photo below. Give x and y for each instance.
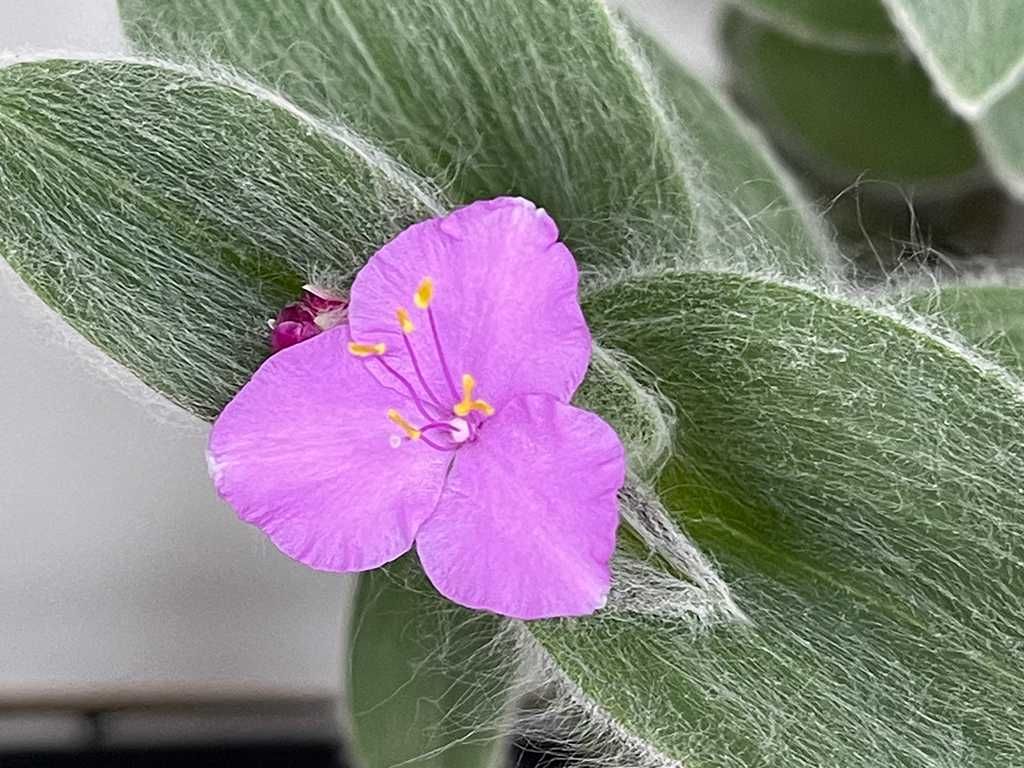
(316, 311)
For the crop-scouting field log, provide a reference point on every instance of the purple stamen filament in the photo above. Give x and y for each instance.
(440, 355)
(465, 427)
(419, 373)
(438, 446)
(412, 390)
(436, 425)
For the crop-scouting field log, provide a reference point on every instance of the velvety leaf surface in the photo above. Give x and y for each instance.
(167, 214)
(858, 482)
(989, 314)
(643, 420)
(429, 684)
(859, 25)
(740, 193)
(846, 113)
(539, 98)
(974, 51)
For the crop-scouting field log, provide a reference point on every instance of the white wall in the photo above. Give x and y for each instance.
(117, 562)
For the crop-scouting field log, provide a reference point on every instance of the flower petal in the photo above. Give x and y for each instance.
(304, 452)
(526, 523)
(505, 302)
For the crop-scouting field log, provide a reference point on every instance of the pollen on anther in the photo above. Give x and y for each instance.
(403, 320)
(468, 403)
(410, 431)
(424, 293)
(366, 350)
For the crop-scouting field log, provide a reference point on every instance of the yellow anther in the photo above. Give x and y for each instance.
(410, 431)
(468, 403)
(403, 320)
(424, 293)
(468, 385)
(366, 350)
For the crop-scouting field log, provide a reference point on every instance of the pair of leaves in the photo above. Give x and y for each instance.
(841, 110)
(972, 52)
(548, 100)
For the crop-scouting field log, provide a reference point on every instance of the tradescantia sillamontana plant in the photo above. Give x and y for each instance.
(820, 559)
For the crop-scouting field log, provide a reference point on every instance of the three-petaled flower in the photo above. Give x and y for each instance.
(440, 415)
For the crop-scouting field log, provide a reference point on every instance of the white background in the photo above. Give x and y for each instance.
(117, 562)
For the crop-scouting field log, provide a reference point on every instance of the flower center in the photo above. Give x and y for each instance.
(446, 433)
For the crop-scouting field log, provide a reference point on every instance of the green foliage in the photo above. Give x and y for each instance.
(416, 701)
(168, 213)
(974, 51)
(640, 417)
(859, 25)
(1001, 135)
(739, 192)
(544, 103)
(857, 480)
(843, 113)
(832, 76)
(989, 312)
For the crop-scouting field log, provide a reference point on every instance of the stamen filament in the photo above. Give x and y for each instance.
(438, 446)
(435, 400)
(440, 354)
(411, 390)
(437, 425)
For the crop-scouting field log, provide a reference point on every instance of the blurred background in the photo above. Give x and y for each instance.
(138, 614)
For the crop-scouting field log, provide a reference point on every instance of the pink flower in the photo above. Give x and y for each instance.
(440, 415)
(318, 310)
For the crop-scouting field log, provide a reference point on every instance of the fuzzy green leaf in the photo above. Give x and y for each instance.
(429, 681)
(741, 195)
(990, 313)
(858, 482)
(974, 51)
(540, 98)
(861, 25)
(167, 214)
(842, 113)
(641, 418)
